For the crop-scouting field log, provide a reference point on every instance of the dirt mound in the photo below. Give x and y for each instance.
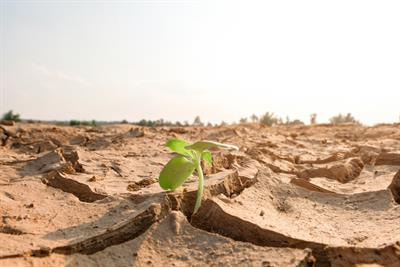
(82, 191)
(174, 240)
(291, 196)
(342, 172)
(273, 213)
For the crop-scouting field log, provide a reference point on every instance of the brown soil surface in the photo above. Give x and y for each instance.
(291, 196)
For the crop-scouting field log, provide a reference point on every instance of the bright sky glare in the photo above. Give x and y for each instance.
(222, 60)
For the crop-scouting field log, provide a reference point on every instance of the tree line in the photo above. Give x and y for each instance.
(268, 118)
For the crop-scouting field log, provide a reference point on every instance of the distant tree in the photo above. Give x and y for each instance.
(11, 116)
(295, 122)
(223, 123)
(167, 123)
(254, 118)
(209, 124)
(313, 118)
(159, 122)
(269, 119)
(142, 122)
(197, 121)
(74, 123)
(150, 123)
(124, 122)
(85, 123)
(340, 119)
(243, 120)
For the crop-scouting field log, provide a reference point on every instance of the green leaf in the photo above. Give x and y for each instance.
(175, 173)
(206, 156)
(178, 146)
(203, 145)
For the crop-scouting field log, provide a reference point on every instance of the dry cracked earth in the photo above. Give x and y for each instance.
(318, 195)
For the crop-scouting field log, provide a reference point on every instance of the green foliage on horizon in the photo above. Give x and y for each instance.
(11, 116)
(83, 123)
(269, 119)
(162, 122)
(341, 119)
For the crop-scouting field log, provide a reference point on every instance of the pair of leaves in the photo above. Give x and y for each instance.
(179, 168)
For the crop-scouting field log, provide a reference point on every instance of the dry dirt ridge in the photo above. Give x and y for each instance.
(291, 196)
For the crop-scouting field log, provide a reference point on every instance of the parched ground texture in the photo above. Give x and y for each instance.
(318, 195)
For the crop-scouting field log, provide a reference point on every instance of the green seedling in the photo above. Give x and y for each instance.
(189, 158)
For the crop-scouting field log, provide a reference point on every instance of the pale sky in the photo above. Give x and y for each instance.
(222, 60)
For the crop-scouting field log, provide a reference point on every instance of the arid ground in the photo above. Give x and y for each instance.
(291, 196)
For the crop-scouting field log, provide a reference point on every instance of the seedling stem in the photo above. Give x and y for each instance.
(200, 186)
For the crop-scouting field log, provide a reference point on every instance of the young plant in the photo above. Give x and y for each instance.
(189, 158)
